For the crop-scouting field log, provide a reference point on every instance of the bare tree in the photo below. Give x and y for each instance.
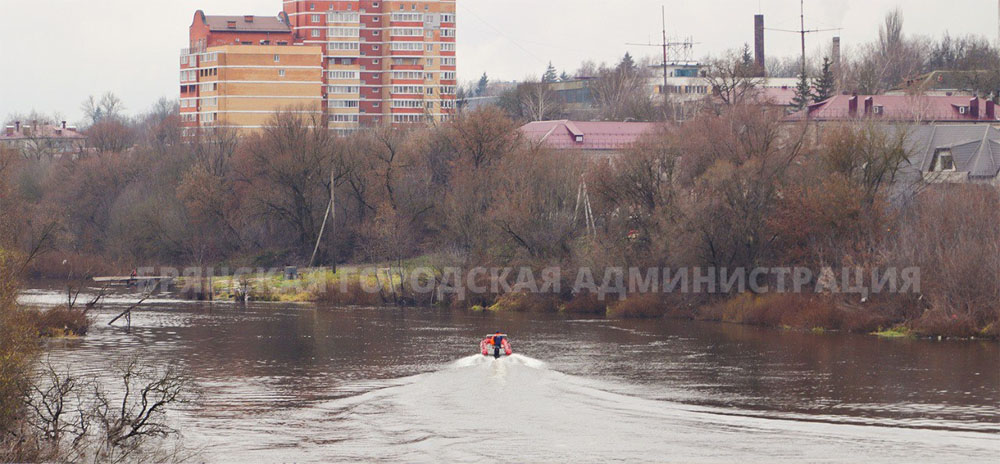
(733, 79)
(109, 106)
(622, 93)
(533, 100)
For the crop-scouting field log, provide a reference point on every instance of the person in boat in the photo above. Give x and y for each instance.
(497, 341)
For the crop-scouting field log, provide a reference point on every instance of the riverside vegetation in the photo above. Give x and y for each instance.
(734, 188)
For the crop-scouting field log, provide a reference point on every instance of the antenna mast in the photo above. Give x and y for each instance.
(803, 31)
(686, 45)
(663, 11)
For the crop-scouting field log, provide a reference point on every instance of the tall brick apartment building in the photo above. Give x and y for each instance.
(375, 62)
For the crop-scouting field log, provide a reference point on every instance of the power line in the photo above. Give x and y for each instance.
(525, 50)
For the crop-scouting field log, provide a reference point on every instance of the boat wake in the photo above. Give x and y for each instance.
(518, 408)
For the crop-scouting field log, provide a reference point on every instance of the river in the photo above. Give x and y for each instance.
(298, 383)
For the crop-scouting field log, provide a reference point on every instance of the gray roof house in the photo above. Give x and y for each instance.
(956, 153)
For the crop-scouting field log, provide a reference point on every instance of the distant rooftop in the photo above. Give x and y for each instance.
(19, 131)
(247, 23)
(569, 135)
(903, 108)
(973, 149)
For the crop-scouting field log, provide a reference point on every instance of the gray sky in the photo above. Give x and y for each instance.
(57, 52)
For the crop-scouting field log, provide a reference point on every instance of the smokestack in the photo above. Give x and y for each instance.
(758, 45)
(869, 105)
(17, 126)
(836, 54)
(64, 124)
(991, 111)
(852, 106)
(974, 107)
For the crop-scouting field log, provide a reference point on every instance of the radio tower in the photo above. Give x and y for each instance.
(666, 45)
(802, 32)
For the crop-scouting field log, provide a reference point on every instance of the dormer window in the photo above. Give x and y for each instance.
(963, 110)
(943, 161)
(231, 24)
(578, 138)
(878, 110)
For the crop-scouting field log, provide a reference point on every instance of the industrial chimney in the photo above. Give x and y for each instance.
(836, 52)
(758, 45)
(836, 62)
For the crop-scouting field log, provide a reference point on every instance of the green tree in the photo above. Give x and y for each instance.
(565, 77)
(803, 93)
(627, 64)
(746, 58)
(484, 83)
(826, 84)
(550, 74)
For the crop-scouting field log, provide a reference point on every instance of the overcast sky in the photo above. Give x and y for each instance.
(57, 52)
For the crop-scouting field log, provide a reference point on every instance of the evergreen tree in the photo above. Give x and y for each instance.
(550, 74)
(565, 77)
(826, 84)
(803, 93)
(746, 58)
(484, 83)
(627, 63)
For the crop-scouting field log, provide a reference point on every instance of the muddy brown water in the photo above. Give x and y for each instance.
(299, 383)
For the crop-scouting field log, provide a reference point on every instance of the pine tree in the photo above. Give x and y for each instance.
(565, 77)
(550, 74)
(746, 58)
(627, 63)
(826, 84)
(484, 83)
(803, 93)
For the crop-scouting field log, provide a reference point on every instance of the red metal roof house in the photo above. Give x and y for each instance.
(900, 108)
(605, 138)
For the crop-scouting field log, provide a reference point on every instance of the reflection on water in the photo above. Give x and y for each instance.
(296, 383)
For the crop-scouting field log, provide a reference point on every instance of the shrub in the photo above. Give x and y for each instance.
(60, 321)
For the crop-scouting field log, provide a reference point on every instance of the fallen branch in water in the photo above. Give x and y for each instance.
(128, 312)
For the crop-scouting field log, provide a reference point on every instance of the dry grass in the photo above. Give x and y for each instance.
(793, 311)
(526, 303)
(642, 306)
(585, 303)
(349, 293)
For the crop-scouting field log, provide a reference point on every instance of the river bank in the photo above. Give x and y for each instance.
(384, 285)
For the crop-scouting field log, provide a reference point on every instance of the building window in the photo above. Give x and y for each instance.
(315, 32)
(281, 73)
(943, 161)
(316, 18)
(277, 58)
